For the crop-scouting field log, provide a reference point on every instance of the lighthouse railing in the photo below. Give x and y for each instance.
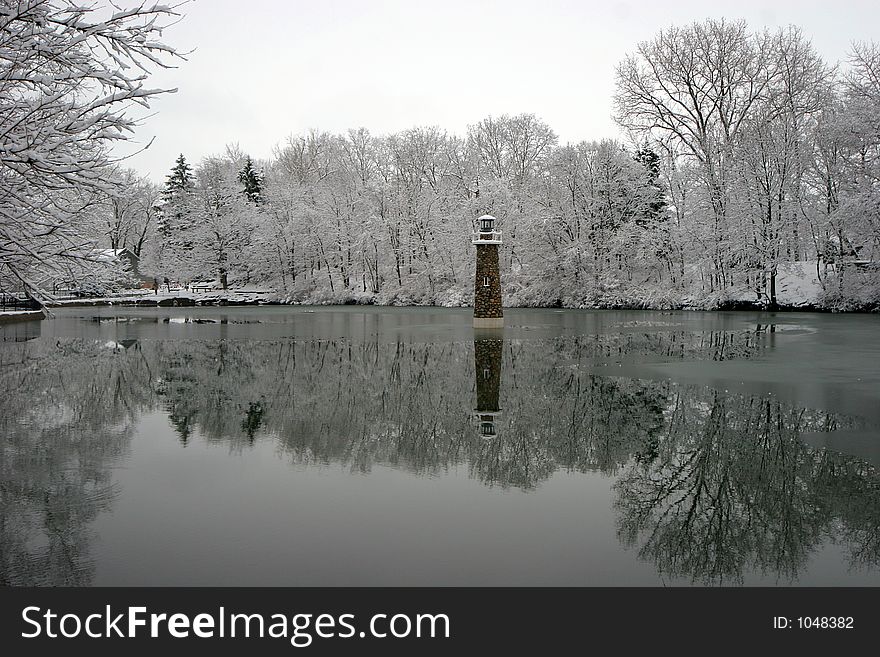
(493, 237)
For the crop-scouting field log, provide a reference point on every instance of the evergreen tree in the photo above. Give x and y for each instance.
(173, 255)
(655, 211)
(252, 179)
(179, 180)
(654, 218)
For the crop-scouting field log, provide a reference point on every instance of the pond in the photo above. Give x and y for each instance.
(384, 446)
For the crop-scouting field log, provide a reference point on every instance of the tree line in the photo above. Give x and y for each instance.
(747, 159)
(748, 152)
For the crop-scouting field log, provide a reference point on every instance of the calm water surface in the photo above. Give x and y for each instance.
(376, 446)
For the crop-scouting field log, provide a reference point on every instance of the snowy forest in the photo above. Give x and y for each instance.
(749, 171)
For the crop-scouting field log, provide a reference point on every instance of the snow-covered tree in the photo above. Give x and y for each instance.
(171, 254)
(69, 73)
(697, 86)
(222, 222)
(126, 216)
(252, 181)
(180, 180)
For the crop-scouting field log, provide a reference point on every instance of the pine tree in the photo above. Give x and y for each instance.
(174, 253)
(179, 180)
(654, 219)
(252, 180)
(655, 212)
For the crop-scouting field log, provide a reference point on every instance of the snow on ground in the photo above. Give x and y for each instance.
(797, 286)
(797, 283)
(244, 295)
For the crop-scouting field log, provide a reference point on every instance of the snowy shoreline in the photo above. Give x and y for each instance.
(239, 300)
(7, 317)
(799, 290)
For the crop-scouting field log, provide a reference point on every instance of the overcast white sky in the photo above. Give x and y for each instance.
(265, 69)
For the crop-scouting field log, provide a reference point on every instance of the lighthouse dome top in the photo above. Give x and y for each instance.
(487, 223)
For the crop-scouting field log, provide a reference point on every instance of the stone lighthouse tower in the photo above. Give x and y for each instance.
(487, 282)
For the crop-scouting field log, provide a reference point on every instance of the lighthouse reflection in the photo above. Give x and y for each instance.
(488, 348)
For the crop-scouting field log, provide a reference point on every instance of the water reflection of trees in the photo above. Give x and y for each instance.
(710, 485)
(732, 488)
(66, 415)
(404, 404)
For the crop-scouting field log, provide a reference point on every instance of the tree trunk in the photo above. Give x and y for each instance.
(773, 304)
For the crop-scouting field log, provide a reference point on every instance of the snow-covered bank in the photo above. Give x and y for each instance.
(803, 285)
(242, 297)
(799, 286)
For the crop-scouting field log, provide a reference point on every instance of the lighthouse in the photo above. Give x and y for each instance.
(488, 348)
(487, 281)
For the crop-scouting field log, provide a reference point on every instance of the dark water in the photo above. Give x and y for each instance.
(350, 446)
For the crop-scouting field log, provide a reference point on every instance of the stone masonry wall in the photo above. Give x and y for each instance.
(487, 300)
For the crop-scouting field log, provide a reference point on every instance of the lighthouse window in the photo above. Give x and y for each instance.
(485, 281)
